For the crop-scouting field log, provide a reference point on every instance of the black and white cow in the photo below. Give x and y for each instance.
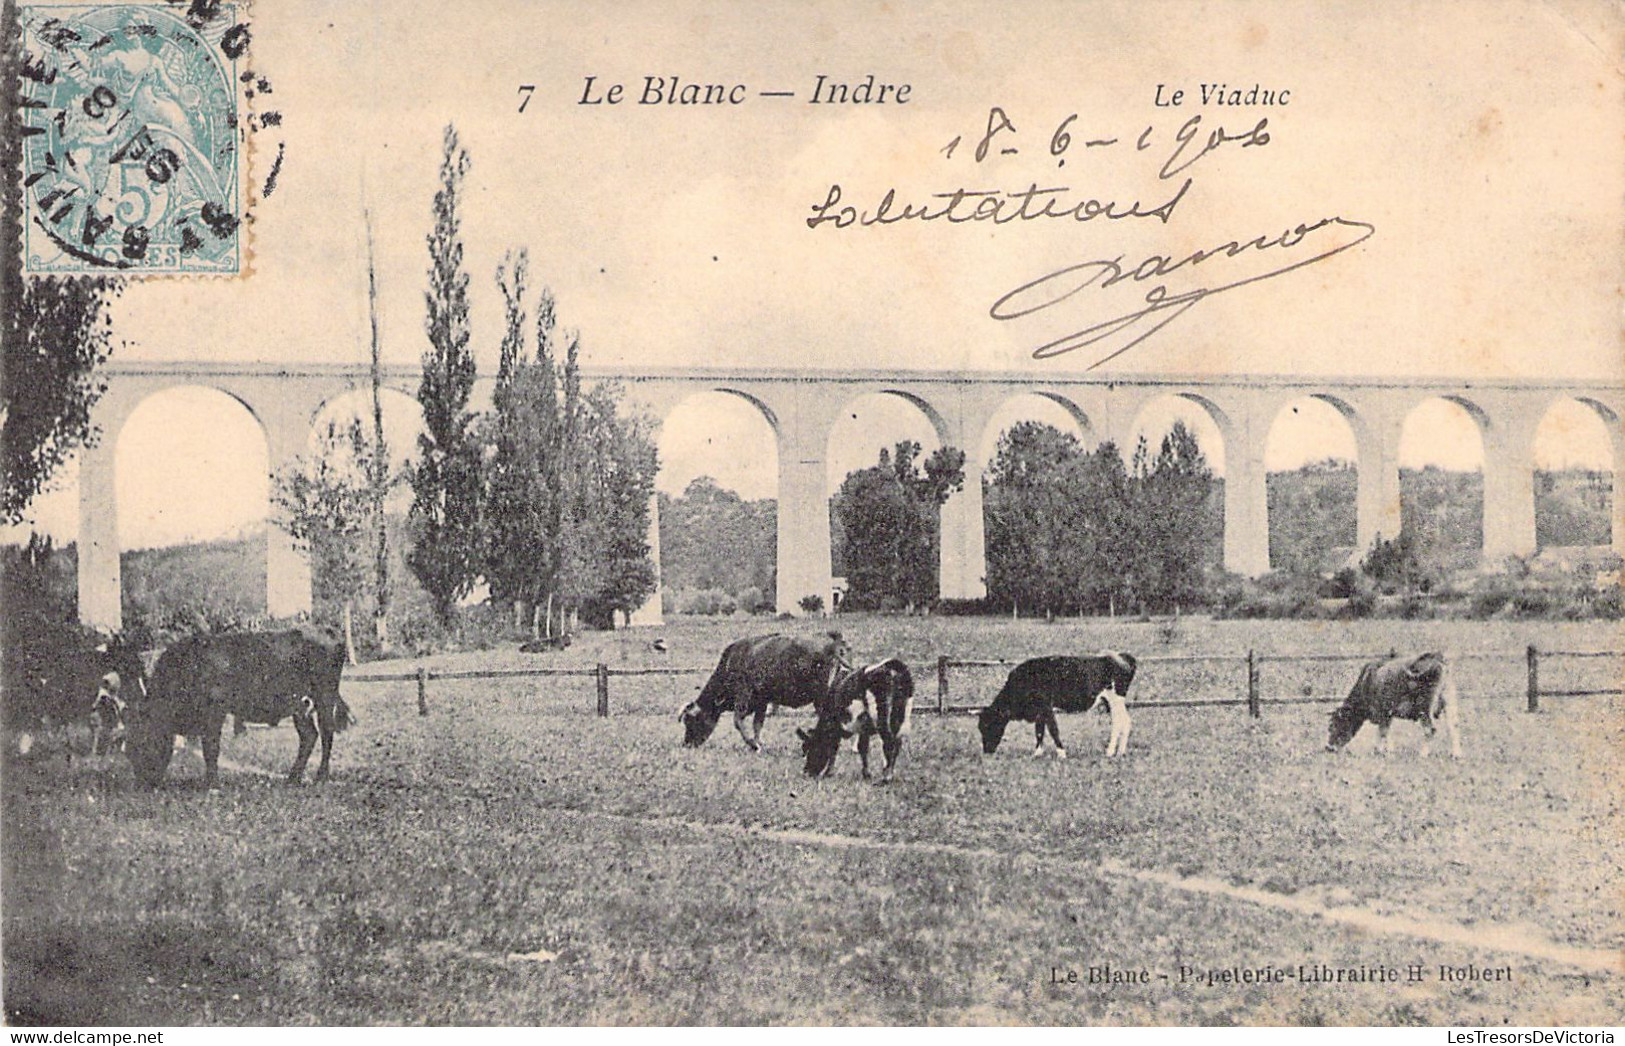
(876, 699)
(1420, 688)
(1036, 689)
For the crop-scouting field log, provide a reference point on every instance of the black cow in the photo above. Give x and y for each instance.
(884, 693)
(1037, 688)
(1419, 688)
(260, 677)
(760, 671)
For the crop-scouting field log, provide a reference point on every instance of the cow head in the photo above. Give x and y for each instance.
(1346, 722)
(991, 722)
(821, 745)
(697, 725)
(1123, 666)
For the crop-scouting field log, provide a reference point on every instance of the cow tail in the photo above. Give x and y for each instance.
(341, 714)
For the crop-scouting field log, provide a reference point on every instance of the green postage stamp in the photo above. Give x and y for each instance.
(132, 152)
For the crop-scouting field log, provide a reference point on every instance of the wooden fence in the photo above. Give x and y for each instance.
(1248, 670)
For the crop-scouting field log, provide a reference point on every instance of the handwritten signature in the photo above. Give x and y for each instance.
(1161, 307)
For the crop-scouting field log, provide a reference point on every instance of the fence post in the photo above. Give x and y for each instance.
(603, 690)
(1534, 678)
(942, 684)
(1252, 687)
(423, 690)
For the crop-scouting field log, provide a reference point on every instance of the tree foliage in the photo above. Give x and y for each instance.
(55, 330)
(447, 547)
(889, 522)
(569, 477)
(328, 503)
(711, 539)
(1071, 530)
(1172, 536)
(1059, 525)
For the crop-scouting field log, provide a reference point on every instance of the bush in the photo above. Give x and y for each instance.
(1532, 603)
(707, 602)
(1275, 595)
(1361, 604)
(1345, 584)
(751, 600)
(812, 604)
(1487, 602)
(966, 607)
(1415, 608)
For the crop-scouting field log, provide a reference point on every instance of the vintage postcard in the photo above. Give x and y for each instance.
(661, 459)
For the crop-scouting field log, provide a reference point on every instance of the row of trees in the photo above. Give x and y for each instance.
(544, 498)
(1068, 530)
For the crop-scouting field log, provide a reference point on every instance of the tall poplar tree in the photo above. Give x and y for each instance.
(446, 482)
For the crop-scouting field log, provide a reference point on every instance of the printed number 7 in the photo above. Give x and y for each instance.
(527, 90)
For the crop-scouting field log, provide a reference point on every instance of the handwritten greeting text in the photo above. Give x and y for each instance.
(1112, 301)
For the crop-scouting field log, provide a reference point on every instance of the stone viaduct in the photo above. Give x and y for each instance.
(802, 405)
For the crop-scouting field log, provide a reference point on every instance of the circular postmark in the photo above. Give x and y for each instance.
(132, 141)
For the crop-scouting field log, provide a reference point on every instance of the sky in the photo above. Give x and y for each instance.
(1481, 144)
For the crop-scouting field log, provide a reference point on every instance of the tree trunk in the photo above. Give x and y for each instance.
(380, 467)
(349, 636)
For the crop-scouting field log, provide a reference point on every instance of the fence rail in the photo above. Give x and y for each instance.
(1252, 662)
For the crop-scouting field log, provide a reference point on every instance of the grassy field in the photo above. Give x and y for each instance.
(510, 858)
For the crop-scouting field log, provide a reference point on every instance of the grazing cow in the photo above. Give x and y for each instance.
(1421, 688)
(260, 677)
(1037, 688)
(884, 694)
(760, 671)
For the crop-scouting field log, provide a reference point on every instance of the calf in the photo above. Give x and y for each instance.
(1419, 688)
(1036, 689)
(883, 695)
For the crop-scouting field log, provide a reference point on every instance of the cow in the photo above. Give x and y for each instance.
(883, 694)
(1420, 688)
(260, 677)
(1037, 688)
(57, 676)
(760, 671)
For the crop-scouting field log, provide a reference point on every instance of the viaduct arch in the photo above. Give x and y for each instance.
(801, 406)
